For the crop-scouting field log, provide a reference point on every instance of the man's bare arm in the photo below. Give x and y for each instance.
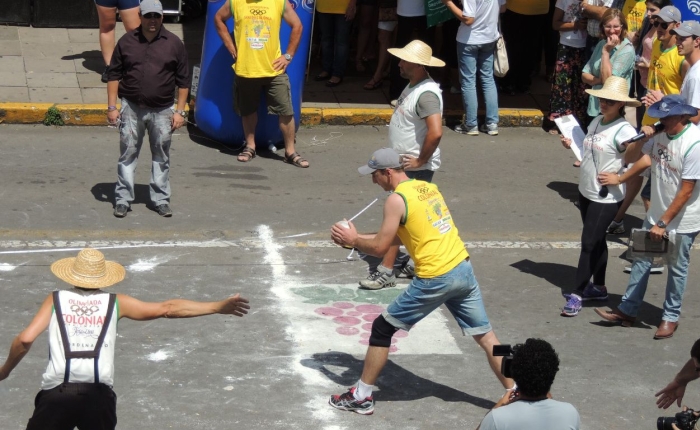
(223, 15)
(135, 309)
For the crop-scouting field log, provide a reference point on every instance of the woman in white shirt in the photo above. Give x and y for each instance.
(603, 151)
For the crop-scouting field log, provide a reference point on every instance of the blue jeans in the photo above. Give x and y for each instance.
(135, 122)
(675, 285)
(473, 58)
(335, 42)
(457, 289)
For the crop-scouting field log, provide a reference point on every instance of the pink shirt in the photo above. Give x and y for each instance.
(647, 43)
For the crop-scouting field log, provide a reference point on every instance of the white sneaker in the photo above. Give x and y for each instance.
(490, 129)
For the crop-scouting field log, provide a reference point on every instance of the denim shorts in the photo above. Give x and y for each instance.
(646, 191)
(457, 289)
(119, 4)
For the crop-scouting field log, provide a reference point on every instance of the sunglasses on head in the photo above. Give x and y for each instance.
(151, 15)
(663, 25)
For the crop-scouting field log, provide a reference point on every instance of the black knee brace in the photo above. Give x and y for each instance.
(382, 332)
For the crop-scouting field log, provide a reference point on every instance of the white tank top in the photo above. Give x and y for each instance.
(84, 314)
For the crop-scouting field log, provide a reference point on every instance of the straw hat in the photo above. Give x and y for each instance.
(88, 270)
(417, 52)
(615, 88)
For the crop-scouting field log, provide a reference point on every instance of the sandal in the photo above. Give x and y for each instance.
(372, 84)
(322, 76)
(295, 159)
(246, 155)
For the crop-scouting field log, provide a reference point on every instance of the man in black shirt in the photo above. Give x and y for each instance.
(147, 65)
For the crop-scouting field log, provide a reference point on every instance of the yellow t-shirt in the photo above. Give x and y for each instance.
(427, 230)
(256, 29)
(528, 7)
(332, 6)
(664, 73)
(634, 11)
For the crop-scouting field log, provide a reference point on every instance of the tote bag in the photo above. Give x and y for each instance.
(500, 56)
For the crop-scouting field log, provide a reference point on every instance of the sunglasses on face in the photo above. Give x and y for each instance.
(663, 25)
(151, 15)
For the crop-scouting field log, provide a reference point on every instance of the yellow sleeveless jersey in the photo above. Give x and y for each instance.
(256, 29)
(427, 230)
(664, 73)
(634, 11)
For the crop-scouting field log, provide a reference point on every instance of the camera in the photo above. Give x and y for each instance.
(505, 351)
(683, 420)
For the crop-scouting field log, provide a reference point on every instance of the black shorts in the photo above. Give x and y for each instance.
(86, 406)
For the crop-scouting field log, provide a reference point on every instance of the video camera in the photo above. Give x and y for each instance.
(506, 351)
(683, 420)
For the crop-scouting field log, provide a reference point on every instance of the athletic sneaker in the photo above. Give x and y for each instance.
(616, 227)
(464, 129)
(347, 402)
(594, 292)
(490, 129)
(378, 280)
(573, 306)
(407, 269)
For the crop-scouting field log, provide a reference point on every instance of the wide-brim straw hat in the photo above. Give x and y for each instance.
(615, 88)
(417, 52)
(88, 270)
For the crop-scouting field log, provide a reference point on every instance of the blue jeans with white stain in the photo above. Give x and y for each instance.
(675, 284)
(135, 121)
(475, 59)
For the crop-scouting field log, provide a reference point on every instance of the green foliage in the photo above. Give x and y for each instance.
(53, 117)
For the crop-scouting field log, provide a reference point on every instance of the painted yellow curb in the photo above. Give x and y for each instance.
(96, 115)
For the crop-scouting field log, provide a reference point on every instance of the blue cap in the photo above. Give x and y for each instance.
(672, 104)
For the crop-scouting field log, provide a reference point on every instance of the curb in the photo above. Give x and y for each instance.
(94, 115)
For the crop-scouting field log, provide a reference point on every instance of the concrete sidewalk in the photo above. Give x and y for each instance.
(45, 67)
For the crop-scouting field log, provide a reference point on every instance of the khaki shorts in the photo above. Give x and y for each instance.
(246, 95)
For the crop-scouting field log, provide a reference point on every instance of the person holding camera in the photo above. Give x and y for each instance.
(530, 406)
(674, 391)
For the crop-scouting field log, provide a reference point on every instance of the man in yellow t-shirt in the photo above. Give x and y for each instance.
(667, 67)
(634, 11)
(259, 64)
(416, 215)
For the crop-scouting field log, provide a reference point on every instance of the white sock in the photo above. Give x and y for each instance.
(363, 391)
(383, 269)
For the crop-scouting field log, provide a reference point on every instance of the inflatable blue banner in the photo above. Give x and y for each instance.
(690, 9)
(214, 103)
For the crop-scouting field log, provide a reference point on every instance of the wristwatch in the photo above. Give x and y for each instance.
(288, 57)
(661, 224)
(181, 112)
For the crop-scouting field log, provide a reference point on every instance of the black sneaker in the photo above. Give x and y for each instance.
(347, 402)
(164, 210)
(121, 210)
(104, 75)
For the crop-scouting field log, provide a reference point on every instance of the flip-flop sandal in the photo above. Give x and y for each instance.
(372, 85)
(246, 155)
(295, 159)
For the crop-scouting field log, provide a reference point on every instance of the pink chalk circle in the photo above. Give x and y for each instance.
(393, 348)
(343, 305)
(365, 335)
(364, 341)
(333, 312)
(394, 340)
(367, 327)
(354, 313)
(346, 320)
(347, 331)
(370, 309)
(400, 334)
(370, 317)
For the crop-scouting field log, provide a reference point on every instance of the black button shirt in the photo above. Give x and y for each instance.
(149, 72)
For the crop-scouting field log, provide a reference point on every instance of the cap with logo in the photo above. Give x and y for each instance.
(687, 28)
(670, 105)
(385, 158)
(669, 14)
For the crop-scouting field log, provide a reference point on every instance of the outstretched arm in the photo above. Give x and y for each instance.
(675, 390)
(135, 309)
(23, 342)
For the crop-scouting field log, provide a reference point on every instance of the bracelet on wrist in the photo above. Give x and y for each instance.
(111, 108)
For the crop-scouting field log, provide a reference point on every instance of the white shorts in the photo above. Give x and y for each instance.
(387, 25)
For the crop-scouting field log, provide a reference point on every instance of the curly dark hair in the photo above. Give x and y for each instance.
(534, 366)
(695, 350)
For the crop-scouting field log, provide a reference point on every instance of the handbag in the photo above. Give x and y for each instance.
(500, 56)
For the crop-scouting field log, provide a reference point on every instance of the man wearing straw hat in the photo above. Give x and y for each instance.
(415, 214)
(415, 131)
(674, 157)
(82, 322)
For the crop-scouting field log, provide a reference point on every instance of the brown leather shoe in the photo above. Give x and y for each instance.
(615, 316)
(666, 329)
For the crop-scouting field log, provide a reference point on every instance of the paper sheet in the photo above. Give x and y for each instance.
(570, 128)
